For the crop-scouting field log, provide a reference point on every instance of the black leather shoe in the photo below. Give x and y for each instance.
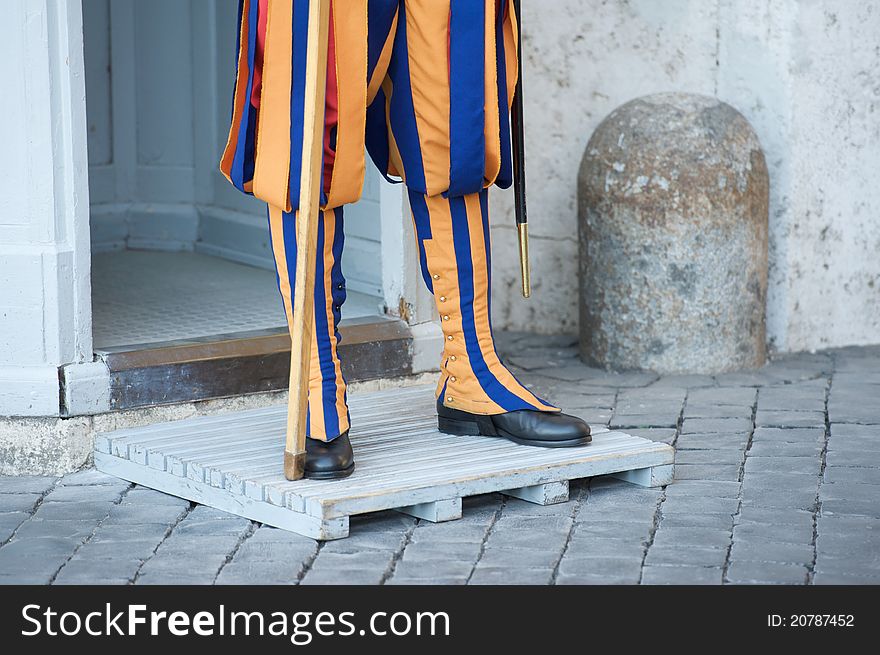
(525, 426)
(331, 460)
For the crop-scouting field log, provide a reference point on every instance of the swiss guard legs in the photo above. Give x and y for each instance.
(426, 87)
(328, 415)
(454, 250)
(476, 393)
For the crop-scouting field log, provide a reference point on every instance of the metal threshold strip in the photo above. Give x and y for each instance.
(245, 362)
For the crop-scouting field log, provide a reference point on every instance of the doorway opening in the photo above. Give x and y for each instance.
(184, 291)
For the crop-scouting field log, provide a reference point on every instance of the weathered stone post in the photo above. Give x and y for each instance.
(673, 202)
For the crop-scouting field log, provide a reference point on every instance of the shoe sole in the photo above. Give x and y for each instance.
(330, 475)
(473, 428)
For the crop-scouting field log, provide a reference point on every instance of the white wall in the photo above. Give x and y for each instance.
(805, 74)
(45, 307)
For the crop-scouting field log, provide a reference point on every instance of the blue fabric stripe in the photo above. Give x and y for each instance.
(402, 111)
(322, 334)
(338, 292)
(464, 264)
(484, 213)
(337, 279)
(380, 15)
(242, 168)
(505, 173)
(298, 94)
(377, 136)
(422, 221)
(467, 114)
(272, 249)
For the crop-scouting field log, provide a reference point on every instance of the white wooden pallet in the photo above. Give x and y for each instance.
(233, 462)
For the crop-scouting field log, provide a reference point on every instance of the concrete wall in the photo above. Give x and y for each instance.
(802, 71)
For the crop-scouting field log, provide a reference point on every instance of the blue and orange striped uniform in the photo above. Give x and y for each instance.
(425, 87)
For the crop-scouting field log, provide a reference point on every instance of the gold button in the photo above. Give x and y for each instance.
(436, 277)
(452, 358)
(453, 379)
(449, 338)
(442, 298)
(446, 317)
(449, 399)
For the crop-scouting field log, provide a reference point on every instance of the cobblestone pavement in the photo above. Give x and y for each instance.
(777, 481)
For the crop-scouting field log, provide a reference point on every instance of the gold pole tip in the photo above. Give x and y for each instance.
(522, 233)
(294, 465)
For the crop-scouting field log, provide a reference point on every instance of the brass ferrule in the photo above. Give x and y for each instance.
(294, 465)
(522, 233)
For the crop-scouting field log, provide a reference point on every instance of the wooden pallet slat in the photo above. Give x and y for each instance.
(233, 462)
(304, 524)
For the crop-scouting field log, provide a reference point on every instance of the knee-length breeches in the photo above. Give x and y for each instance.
(424, 87)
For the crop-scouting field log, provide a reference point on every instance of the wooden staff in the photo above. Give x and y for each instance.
(519, 163)
(306, 237)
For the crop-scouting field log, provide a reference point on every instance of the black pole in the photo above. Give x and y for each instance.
(519, 161)
(516, 120)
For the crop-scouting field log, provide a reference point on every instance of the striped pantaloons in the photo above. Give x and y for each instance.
(424, 86)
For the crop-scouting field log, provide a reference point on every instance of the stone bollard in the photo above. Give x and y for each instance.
(673, 201)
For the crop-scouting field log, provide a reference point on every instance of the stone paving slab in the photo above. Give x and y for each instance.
(778, 481)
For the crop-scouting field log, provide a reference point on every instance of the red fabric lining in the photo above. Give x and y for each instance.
(331, 110)
(262, 16)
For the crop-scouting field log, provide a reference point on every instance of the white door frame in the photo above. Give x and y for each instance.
(45, 293)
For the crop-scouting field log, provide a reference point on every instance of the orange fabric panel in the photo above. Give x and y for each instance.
(427, 32)
(347, 109)
(272, 159)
